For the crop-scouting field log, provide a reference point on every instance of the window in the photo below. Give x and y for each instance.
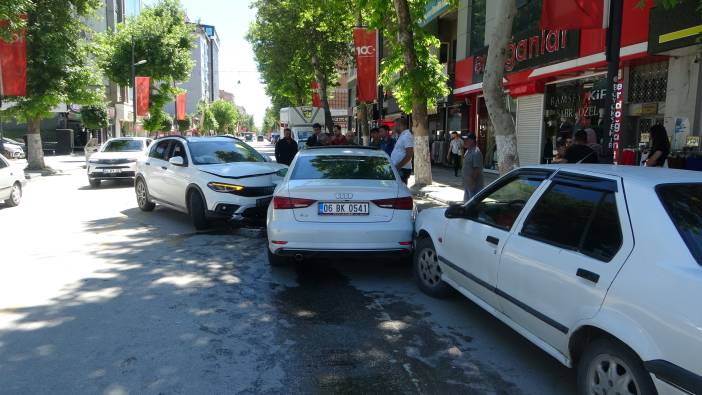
(477, 26)
(124, 146)
(177, 149)
(160, 150)
(501, 207)
(577, 218)
(342, 167)
(683, 202)
(222, 150)
(3, 164)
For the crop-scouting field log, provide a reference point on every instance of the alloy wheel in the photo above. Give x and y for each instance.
(141, 194)
(609, 375)
(16, 194)
(429, 270)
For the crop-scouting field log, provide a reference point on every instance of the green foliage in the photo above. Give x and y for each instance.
(270, 119)
(167, 122)
(11, 12)
(59, 67)
(428, 81)
(94, 116)
(162, 37)
(226, 114)
(285, 36)
(207, 120)
(184, 124)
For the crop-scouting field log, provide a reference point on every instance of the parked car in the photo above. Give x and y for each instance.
(13, 149)
(259, 138)
(207, 178)
(12, 182)
(339, 200)
(116, 159)
(599, 266)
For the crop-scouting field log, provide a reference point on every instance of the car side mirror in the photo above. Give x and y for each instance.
(455, 210)
(176, 161)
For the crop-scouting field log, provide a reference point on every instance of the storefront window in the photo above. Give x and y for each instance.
(573, 105)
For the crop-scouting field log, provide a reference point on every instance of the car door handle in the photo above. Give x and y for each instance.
(588, 275)
(493, 240)
(164, 167)
(147, 163)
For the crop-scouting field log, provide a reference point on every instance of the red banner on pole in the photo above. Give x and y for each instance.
(316, 99)
(142, 93)
(574, 14)
(13, 66)
(366, 44)
(180, 107)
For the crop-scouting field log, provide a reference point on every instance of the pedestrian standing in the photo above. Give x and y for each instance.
(387, 143)
(454, 155)
(403, 152)
(472, 168)
(313, 140)
(374, 138)
(579, 152)
(285, 148)
(660, 147)
(339, 138)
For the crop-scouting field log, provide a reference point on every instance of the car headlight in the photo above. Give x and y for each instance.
(226, 188)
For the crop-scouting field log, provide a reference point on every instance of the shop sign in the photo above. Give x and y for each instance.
(645, 138)
(676, 27)
(534, 47)
(616, 112)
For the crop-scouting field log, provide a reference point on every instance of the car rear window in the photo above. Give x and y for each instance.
(124, 146)
(683, 202)
(342, 167)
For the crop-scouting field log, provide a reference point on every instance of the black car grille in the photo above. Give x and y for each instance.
(256, 191)
(114, 161)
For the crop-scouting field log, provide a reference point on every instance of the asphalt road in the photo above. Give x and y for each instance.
(98, 297)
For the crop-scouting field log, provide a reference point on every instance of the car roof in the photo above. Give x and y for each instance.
(208, 138)
(345, 150)
(644, 176)
(129, 138)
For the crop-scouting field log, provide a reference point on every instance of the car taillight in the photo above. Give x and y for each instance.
(286, 203)
(403, 203)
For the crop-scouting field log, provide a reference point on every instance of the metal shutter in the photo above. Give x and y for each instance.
(530, 123)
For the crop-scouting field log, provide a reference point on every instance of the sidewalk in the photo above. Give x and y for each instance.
(59, 164)
(446, 187)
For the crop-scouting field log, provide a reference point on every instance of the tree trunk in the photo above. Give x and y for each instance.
(322, 85)
(35, 152)
(363, 123)
(493, 88)
(420, 120)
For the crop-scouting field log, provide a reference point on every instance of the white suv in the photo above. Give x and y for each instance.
(599, 266)
(207, 178)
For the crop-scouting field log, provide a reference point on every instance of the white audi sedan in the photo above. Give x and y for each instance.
(116, 159)
(337, 200)
(600, 266)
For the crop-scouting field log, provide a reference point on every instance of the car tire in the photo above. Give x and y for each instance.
(94, 183)
(427, 271)
(609, 365)
(15, 195)
(275, 260)
(142, 195)
(196, 207)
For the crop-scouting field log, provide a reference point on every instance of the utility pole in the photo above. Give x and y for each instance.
(134, 89)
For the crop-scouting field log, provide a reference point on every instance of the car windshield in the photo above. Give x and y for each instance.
(342, 167)
(124, 146)
(683, 202)
(211, 152)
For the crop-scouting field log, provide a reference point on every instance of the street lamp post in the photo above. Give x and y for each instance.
(134, 90)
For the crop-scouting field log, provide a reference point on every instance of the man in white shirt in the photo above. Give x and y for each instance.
(401, 156)
(454, 154)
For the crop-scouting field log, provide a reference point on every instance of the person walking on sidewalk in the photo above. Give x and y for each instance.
(285, 148)
(403, 152)
(454, 155)
(472, 168)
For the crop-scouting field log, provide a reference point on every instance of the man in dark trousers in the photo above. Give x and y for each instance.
(285, 148)
(313, 140)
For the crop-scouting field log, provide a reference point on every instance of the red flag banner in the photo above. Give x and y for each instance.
(316, 99)
(142, 94)
(574, 14)
(366, 43)
(13, 66)
(180, 107)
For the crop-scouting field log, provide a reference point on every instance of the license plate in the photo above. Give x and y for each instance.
(112, 170)
(343, 208)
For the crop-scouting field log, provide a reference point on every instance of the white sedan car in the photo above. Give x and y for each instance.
(116, 159)
(600, 266)
(339, 200)
(207, 178)
(12, 181)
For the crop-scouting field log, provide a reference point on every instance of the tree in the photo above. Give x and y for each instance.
(94, 117)
(295, 41)
(270, 120)
(226, 114)
(493, 89)
(411, 69)
(208, 122)
(161, 36)
(184, 124)
(11, 15)
(59, 68)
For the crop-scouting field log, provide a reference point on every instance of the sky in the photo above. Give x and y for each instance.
(237, 67)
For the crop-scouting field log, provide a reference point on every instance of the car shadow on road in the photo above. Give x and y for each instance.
(115, 184)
